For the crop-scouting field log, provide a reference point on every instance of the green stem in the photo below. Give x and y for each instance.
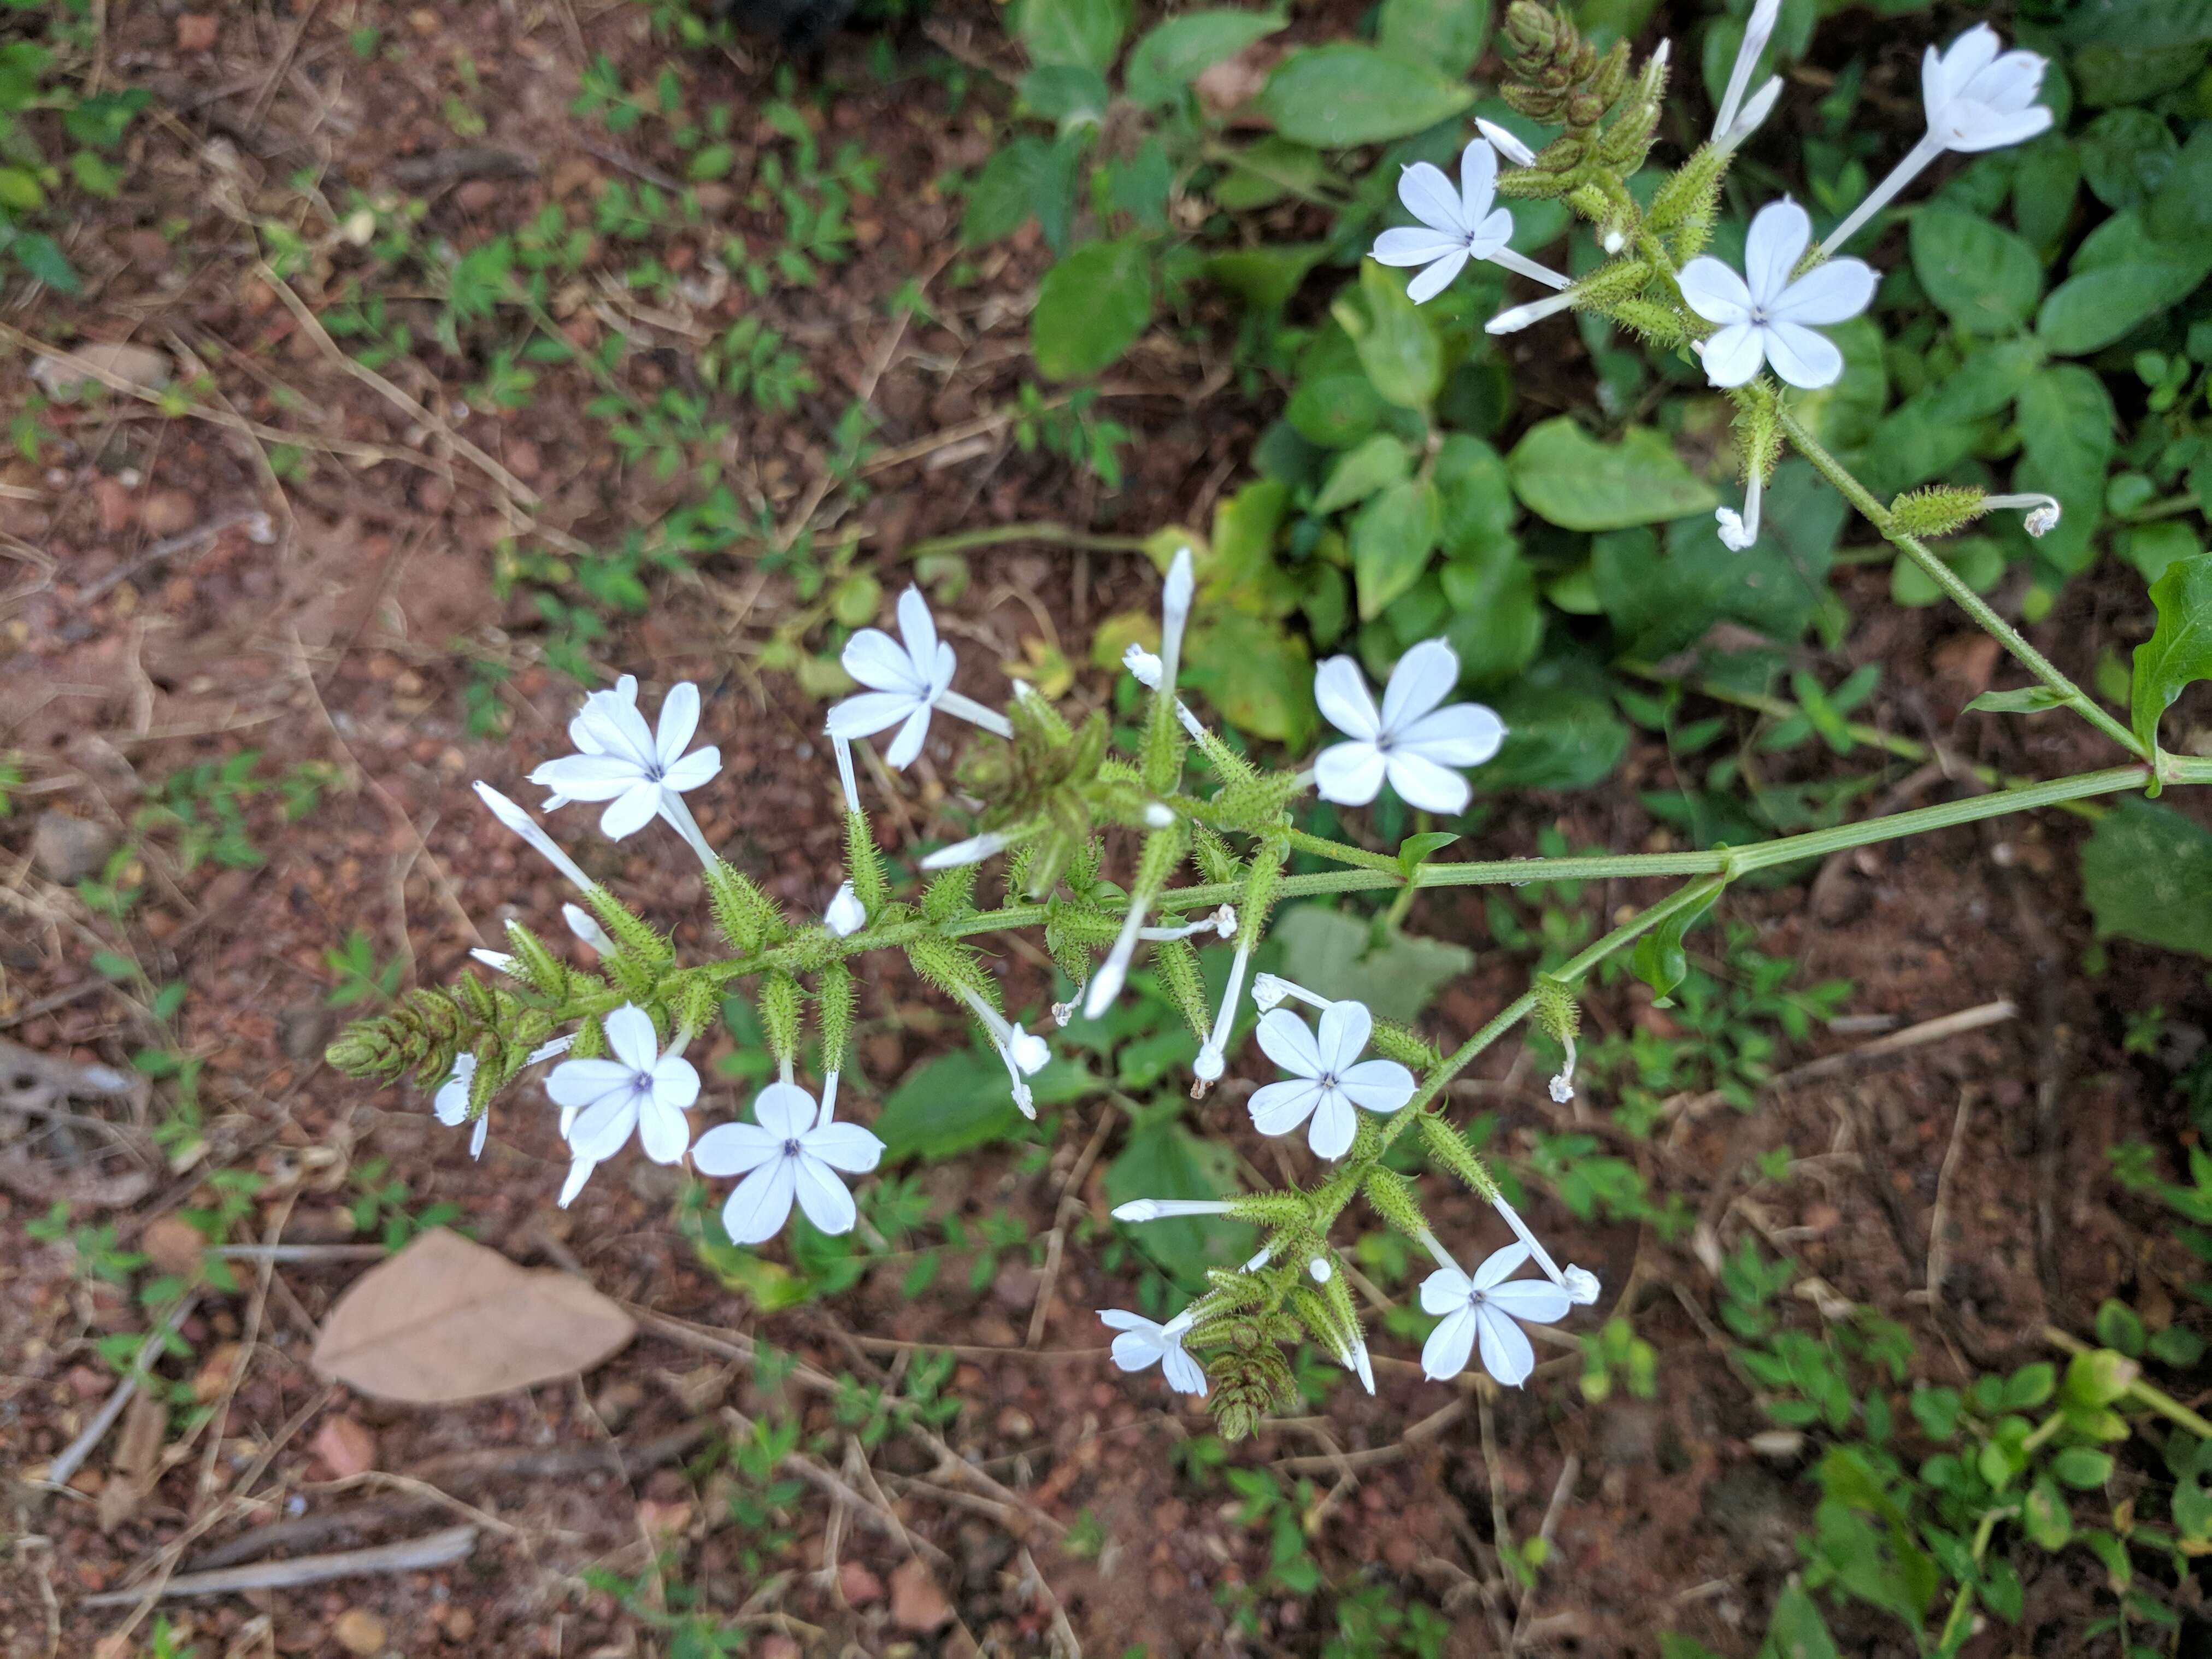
(2142, 1393)
(1343, 852)
(1947, 578)
(1053, 535)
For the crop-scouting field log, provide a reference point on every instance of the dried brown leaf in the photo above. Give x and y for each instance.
(446, 1320)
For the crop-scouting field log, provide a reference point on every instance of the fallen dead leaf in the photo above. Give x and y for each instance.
(917, 1604)
(347, 1447)
(142, 366)
(446, 1320)
(137, 1457)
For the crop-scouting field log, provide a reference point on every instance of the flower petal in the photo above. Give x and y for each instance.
(1534, 1301)
(662, 1130)
(1802, 357)
(1408, 246)
(1335, 1124)
(575, 1083)
(1284, 1040)
(1344, 1029)
(589, 777)
(1349, 773)
(1430, 197)
(1733, 355)
(845, 1146)
(875, 659)
(693, 771)
(1499, 1265)
(1437, 278)
(907, 745)
(1133, 1350)
(1278, 1109)
(1120, 1319)
(1944, 75)
(630, 812)
(619, 729)
(1423, 677)
(1714, 292)
(823, 1196)
(1340, 693)
(1421, 782)
(679, 719)
(1443, 1290)
(1832, 293)
(731, 1148)
(1184, 1374)
(631, 1036)
(1506, 1354)
(602, 1130)
(870, 711)
(580, 1171)
(1492, 234)
(919, 630)
(675, 1082)
(1445, 1355)
(450, 1102)
(1376, 1086)
(1780, 233)
(1464, 734)
(756, 1211)
(1998, 131)
(784, 1110)
(1478, 181)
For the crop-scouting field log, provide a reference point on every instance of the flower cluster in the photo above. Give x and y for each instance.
(1741, 326)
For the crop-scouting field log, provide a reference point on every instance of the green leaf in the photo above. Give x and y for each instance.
(20, 189)
(1090, 308)
(1393, 338)
(2043, 1514)
(1265, 277)
(2141, 23)
(1660, 960)
(1987, 278)
(1496, 622)
(2027, 700)
(2179, 650)
(961, 1101)
(1337, 955)
(1005, 193)
(1442, 35)
(1561, 731)
(2180, 213)
(41, 256)
(1360, 472)
(2082, 1468)
(2121, 275)
(1564, 475)
(1163, 1159)
(1335, 411)
(2126, 155)
(1391, 540)
(1259, 678)
(1416, 850)
(1844, 416)
(1796, 1628)
(1265, 172)
(1173, 54)
(2046, 177)
(2147, 875)
(710, 161)
(1335, 96)
(2066, 423)
(1477, 495)
(1087, 32)
(1067, 94)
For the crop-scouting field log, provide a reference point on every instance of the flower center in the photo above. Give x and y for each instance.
(790, 1148)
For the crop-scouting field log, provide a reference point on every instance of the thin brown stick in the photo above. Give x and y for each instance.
(436, 1549)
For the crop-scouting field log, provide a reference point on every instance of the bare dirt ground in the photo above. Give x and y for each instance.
(127, 654)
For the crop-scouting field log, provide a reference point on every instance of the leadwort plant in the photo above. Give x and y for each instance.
(1214, 831)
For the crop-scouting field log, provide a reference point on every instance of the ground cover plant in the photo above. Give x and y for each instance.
(1696, 772)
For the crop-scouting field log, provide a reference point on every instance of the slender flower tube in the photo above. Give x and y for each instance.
(1270, 991)
(2042, 511)
(1212, 1057)
(843, 748)
(498, 961)
(974, 850)
(1739, 532)
(1756, 34)
(1222, 921)
(1360, 1365)
(586, 926)
(1753, 116)
(1147, 667)
(1514, 319)
(1563, 1085)
(1163, 1209)
(538, 842)
(1024, 1055)
(1978, 96)
(1511, 148)
(1579, 1283)
(1175, 616)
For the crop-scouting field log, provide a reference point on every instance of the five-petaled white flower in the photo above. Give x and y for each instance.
(1487, 1306)
(782, 1154)
(1412, 742)
(640, 1087)
(1459, 225)
(1766, 317)
(1980, 96)
(620, 760)
(1142, 1344)
(909, 677)
(1328, 1079)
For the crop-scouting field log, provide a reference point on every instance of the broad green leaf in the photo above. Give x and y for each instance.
(1173, 54)
(1265, 277)
(1396, 342)
(1564, 475)
(2180, 213)
(1335, 411)
(41, 256)
(20, 189)
(1163, 1159)
(1259, 678)
(1987, 278)
(1333, 954)
(1391, 538)
(962, 1100)
(1561, 730)
(1416, 850)
(2105, 75)
(1358, 473)
(1986, 382)
(1477, 495)
(2044, 1515)
(2122, 274)
(2153, 548)
(2141, 22)
(1796, 1629)
(2147, 874)
(1441, 34)
(1090, 308)
(2179, 650)
(1005, 193)
(1070, 95)
(1087, 32)
(2082, 1467)
(2066, 423)
(1335, 96)
(2126, 155)
(1976, 561)
(2044, 181)
(1267, 171)
(1496, 622)
(1843, 415)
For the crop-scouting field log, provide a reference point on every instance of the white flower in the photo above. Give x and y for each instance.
(622, 761)
(909, 677)
(1764, 315)
(784, 1153)
(1980, 96)
(1487, 1305)
(1504, 142)
(1977, 97)
(640, 1087)
(845, 916)
(1412, 742)
(1023, 1054)
(1457, 225)
(1212, 1054)
(1328, 1079)
(450, 1102)
(1142, 1344)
